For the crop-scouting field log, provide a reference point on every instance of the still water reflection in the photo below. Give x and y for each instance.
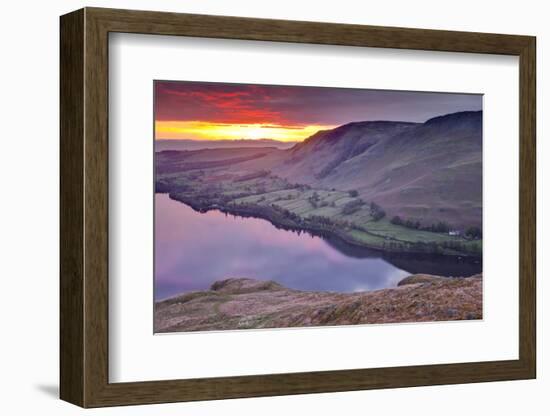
(193, 250)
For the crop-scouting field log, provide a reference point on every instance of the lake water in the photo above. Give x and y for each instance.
(193, 250)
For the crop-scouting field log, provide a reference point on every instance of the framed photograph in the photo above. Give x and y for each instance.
(254, 207)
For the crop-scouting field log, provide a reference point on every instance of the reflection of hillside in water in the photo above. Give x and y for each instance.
(413, 262)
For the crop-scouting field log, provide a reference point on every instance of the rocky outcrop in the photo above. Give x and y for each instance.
(240, 303)
(241, 286)
(428, 278)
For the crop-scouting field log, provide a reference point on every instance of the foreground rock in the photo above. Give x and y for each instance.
(249, 303)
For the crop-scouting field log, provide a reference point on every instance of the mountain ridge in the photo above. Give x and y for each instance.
(413, 170)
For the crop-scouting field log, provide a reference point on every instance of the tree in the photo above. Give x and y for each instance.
(378, 215)
(440, 227)
(352, 206)
(313, 199)
(397, 220)
(376, 211)
(473, 232)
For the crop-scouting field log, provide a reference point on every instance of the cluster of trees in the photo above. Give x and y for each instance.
(285, 213)
(314, 221)
(474, 233)
(206, 200)
(407, 223)
(462, 247)
(314, 199)
(352, 206)
(299, 186)
(289, 218)
(432, 247)
(439, 227)
(320, 220)
(376, 211)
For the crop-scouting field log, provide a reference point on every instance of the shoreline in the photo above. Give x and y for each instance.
(272, 216)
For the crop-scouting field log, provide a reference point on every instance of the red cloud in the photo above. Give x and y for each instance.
(220, 103)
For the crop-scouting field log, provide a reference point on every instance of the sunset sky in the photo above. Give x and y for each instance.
(219, 111)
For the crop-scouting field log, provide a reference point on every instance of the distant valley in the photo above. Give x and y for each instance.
(161, 144)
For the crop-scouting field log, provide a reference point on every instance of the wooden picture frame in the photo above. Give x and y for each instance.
(84, 207)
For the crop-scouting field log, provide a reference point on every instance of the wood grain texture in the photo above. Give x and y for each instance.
(71, 208)
(96, 208)
(162, 23)
(84, 207)
(527, 208)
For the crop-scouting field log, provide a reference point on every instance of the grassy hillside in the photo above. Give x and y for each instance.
(424, 172)
(319, 156)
